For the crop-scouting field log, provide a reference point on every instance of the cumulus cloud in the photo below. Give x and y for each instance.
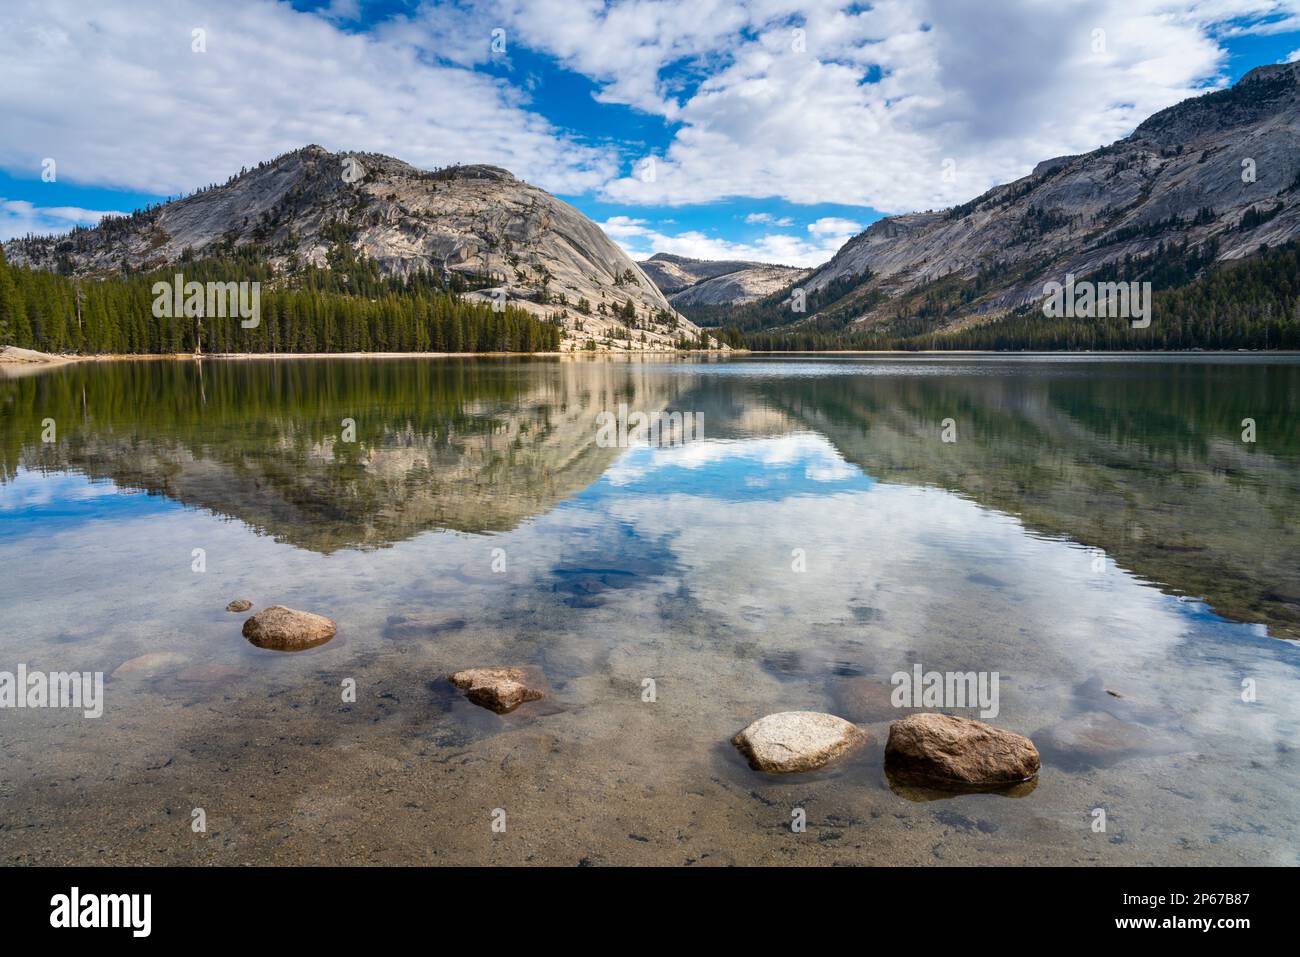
(19, 218)
(767, 219)
(834, 226)
(117, 93)
(640, 239)
(903, 105)
(898, 105)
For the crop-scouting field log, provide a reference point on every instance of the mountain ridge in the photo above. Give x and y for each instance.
(1216, 177)
(477, 225)
(716, 282)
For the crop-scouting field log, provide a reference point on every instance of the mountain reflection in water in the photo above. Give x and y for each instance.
(1098, 534)
(1141, 459)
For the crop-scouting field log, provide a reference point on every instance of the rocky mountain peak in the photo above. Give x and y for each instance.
(509, 240)
(1263, 92)
(706, 282)
(1217, 175)
(1271, 71)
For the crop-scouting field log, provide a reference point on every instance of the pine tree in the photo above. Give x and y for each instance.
(14, 327)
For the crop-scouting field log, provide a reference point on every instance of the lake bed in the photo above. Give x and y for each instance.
(1092, 529)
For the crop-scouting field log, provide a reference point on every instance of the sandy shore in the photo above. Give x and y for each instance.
(12, 355)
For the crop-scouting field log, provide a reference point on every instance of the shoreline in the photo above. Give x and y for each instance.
(13, 359)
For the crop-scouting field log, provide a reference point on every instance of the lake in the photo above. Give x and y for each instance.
(1099, 531)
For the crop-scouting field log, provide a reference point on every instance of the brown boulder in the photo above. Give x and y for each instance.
(239, 604)
(947, 750)
(497, 689)
(285, 629)
(794, 741)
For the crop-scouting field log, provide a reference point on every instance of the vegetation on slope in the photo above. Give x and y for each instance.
(1248, 304)
(349, 307)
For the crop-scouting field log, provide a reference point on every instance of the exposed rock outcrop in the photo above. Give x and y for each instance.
(672, 274)
(13, 355)
(739, 287)
(706, 282)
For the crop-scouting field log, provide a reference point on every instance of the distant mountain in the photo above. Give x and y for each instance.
(706, 282)
(674, 273)
(507, 240)
(739, 287)
(1211, 180)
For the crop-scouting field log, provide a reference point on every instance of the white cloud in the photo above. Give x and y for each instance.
(18, 217)
(640, 240)
(117, 95)
(822, 462)
(834, 226)
(624, 46)
(992, 87)
(767, 219)
(1286, 20)
(864, 108)
(1293, 57)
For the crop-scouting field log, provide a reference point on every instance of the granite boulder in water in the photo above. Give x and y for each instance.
(793, 741)
(946, 750)
(497, 689)
(287, 629)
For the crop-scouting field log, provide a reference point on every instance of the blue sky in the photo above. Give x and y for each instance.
(765, 130)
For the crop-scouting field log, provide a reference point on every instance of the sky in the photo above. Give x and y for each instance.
(766, 130)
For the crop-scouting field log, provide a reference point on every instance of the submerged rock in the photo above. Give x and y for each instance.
(868, 700)
(239, 604)
(497, 689)
(286, 629)
(150, 665)
(947, 750)
(793, 741)
(1098, 739)
(1094, 694)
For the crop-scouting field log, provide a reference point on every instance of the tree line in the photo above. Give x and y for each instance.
(348, 307)
(1252, 303)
